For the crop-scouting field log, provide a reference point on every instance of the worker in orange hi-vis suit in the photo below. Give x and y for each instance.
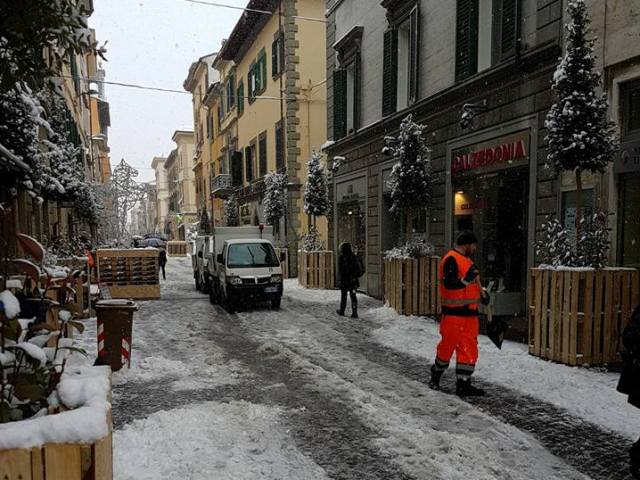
(461, 293)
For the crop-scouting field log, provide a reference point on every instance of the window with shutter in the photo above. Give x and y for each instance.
(414, 57)
(339, 103)
(389, 72)
(231, 92)
(466, 38)
(236, 169)
(248, 162)
(279, 134)
(251, 82)
(508, 27)
(240, 97)
(262, 154)
(277, 56)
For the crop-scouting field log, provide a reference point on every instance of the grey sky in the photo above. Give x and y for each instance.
(153, 42)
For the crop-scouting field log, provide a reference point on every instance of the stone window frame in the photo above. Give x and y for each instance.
(349, 55)
(626, 90)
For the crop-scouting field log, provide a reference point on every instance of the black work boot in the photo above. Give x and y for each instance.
(465, 389)
(340, 312)
(354, 312)
(436, 375)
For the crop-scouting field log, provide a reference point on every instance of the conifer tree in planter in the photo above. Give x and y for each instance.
(231, 214)
(316, 199)
(275, 200)
(580, 135)
(579, 307)
(410, 180)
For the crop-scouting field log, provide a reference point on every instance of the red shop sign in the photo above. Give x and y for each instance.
(500, 155)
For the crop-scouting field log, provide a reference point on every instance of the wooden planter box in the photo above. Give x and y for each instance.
(411, 285)
(577, 316)
(176, 248)
(283, 255)
(129, 273)
(60, 461)
(316, 269)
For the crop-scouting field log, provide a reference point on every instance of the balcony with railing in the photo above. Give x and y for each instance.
(222, 185)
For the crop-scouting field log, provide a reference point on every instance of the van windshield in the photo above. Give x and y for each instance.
(248, 255)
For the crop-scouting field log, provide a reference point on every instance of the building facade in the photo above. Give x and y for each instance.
(182, 209)
(161, 207)
(436, 60)
(267, 109)
(201, 76)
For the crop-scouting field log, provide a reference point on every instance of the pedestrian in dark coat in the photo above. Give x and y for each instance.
(350, 269)
(162, 261)
(630, 378)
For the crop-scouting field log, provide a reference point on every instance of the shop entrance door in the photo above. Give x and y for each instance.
(629, 218)
(495, 207)
(351, 219)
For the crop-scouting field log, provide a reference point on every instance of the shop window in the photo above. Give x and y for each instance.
(351, 217)
(262, 154)
(495, 207)
(401, 45)
(629, 226)
(631, 110)
(486, 33)
(568, 208)
(347, 84)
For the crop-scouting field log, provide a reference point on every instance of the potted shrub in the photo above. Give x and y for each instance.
(578, 305)
(316, 266)
(54, 409)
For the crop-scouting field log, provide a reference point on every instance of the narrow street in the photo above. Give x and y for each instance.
(300, 393)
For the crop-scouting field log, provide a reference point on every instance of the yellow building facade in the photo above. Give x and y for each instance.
(269, 109)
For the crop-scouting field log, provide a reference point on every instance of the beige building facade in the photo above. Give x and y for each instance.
(182, 209)
(161, 207)
(266, 110)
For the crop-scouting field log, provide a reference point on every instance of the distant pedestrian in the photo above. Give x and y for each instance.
(162, 261)
(350, 269)
(460, 293)
(630, 378)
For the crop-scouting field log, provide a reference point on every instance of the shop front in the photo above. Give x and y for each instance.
(351, 217)
(627, 170)
(489, 189)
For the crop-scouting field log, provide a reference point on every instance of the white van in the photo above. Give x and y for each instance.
(247, 270)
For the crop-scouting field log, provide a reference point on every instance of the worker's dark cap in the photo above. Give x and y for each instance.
(466, 238)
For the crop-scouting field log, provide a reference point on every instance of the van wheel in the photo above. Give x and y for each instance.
(275, 303)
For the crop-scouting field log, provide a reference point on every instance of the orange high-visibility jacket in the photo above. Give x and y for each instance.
(468, 296)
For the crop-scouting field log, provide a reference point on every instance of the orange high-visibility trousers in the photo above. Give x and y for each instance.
(459, 336)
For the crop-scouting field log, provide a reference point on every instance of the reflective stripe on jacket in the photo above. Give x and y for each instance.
(459, 299)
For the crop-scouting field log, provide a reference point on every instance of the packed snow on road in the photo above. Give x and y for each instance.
(301, 393)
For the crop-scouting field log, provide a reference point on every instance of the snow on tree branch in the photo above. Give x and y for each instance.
(316, 189)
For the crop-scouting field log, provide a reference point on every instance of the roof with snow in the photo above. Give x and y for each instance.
(248, 26)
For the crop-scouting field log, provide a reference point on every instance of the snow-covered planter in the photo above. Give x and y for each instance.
(316, 269)
(577, 314)
(578, 308)
(74, 443)
(411, 284)
(177, 248)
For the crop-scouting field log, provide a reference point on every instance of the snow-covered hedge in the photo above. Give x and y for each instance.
(558, 247)
(412, 249)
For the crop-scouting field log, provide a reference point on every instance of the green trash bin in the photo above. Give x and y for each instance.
(115, 331)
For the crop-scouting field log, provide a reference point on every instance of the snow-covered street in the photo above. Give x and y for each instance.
(301, 393)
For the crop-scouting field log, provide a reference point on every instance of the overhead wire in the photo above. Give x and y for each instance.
(254, 10)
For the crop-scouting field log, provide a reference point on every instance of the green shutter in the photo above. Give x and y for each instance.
(240, 98)
(339, 104)
(275, 64)
(251, 80)
(390, 72)
(262, 155)
(466, 38)
(508, 27)
(414, 57)
(262, 61)
(357, 80)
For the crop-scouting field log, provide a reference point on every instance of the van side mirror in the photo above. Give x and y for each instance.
(219, 258)
(200, 254)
